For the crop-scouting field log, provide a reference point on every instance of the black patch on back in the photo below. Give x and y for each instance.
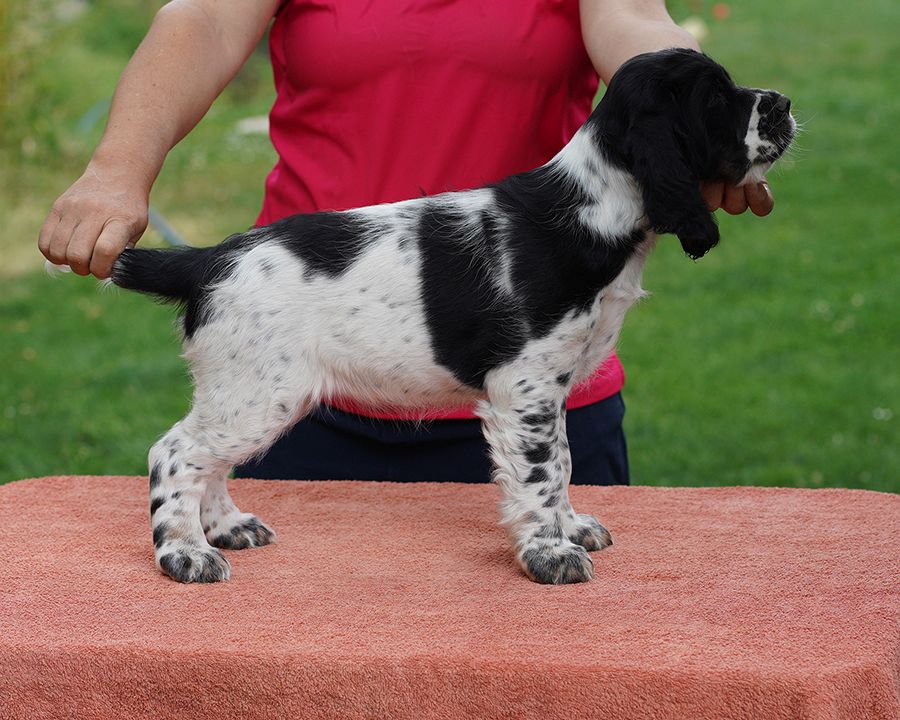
(326, 242)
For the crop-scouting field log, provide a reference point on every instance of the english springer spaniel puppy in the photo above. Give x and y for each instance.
(501, 297)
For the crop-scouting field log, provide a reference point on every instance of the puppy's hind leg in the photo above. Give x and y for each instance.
(180, 470)
(227, 527)
(191, 510)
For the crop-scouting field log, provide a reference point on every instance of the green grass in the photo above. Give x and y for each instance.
(773, 361)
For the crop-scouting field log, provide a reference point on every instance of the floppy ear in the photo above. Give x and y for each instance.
(670, 187)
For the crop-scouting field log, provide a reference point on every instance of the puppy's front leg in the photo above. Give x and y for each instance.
(527, 437)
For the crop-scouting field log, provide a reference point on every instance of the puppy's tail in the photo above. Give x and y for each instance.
(173, 275)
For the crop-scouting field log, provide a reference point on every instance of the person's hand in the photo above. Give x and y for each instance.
(101, 214)
(735, 200)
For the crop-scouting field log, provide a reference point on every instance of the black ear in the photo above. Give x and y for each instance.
(670, 187)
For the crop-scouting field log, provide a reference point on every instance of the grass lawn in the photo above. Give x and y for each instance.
(773, 361)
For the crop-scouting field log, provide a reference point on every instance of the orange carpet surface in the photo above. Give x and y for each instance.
(400, 601)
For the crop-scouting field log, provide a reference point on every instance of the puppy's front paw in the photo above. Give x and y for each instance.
(557, 564)
(189, 564)
(239, 532)
(589, 533)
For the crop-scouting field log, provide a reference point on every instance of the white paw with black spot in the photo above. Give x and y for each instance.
(589, 533)
(193, 564)
(239, 532)
(557, 564)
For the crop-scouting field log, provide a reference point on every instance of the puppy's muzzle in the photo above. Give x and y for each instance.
(775, 124)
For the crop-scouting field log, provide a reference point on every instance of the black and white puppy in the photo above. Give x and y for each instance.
(502, 297)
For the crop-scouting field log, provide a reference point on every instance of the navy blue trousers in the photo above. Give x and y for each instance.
(330, 444)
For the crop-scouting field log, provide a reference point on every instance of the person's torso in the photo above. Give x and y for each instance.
(384, 100)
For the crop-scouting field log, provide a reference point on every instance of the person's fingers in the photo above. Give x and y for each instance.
(712, 194)
(81, 246)
(734, 202)
(46, 233)
(759, 198)
(59, 241)
(114, 238)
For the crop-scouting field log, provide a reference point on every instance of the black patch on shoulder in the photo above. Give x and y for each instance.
(472, 328)
(558, 264)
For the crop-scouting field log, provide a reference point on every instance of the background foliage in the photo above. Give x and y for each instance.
(773, 361)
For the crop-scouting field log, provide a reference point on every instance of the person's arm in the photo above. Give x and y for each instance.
(615, 31)
(192, 50)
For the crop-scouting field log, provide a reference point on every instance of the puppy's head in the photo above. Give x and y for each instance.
(675, 118)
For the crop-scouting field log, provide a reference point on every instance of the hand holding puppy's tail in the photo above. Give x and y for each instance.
(172, 275)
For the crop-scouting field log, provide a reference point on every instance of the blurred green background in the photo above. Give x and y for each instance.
(773, 361)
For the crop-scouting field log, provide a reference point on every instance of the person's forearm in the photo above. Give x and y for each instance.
(617, 30)
(181, 66)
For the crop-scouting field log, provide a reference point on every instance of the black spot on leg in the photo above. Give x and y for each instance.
(155, 505)
(159, 534)
(537, 475)
(552, 531)
(563, 378)
(154, 477)
(173, 469)
(539, 453)
(551, 501)
(539, 418)
(169, 564)
(176, 494)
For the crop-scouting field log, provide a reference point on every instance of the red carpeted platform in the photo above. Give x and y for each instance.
(402, 601)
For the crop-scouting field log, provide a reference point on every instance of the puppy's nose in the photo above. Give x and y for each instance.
(782, 105)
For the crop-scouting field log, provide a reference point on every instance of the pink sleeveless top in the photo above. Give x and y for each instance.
(386, 100)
